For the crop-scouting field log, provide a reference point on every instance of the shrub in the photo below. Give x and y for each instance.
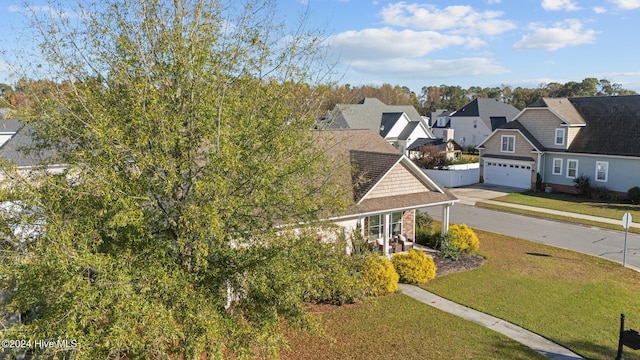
(321, 272)
(447, 249)
(601, 193)
(359, 245)
(463, 238)
(423, 236)
(379, 276)
(583, 184)
(424, 220)
(634, 194)
(414, 267)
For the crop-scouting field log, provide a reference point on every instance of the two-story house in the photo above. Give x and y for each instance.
(557, 140)
(400, 125)
(475, 121)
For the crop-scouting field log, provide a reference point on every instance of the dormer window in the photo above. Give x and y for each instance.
(559, 139)
(508, 143)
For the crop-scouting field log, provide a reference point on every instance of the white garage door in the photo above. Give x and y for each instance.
(508, 173)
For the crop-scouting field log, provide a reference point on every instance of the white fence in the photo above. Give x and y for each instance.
(457, 175)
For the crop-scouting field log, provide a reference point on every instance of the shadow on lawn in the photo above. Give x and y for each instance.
(603, 352)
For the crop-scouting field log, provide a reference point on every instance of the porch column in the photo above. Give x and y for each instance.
(385, 240)
(445, 218)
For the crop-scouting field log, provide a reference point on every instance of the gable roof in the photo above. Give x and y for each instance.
(404, 135)
(369, 113)
(368, 166)
(389, 119)
(485, 109)
(563, 108)
(516, 125)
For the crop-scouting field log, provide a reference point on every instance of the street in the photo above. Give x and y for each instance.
(589, 240)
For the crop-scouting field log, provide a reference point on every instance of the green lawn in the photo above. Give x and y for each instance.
(399, 327)
(573, 299)
(572, 203)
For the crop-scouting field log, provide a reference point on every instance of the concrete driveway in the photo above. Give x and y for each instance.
(471, 194)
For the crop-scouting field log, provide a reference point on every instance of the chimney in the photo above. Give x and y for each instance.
(447, 135)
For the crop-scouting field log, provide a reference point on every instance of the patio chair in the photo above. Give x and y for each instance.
(405, 242)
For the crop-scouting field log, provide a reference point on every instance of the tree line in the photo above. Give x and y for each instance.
(430, 98)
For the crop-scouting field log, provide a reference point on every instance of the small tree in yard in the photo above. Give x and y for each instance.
(185, 134)
(430, 157)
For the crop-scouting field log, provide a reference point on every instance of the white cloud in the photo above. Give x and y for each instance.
(460, 19)
(490, 2)
(4, 67)
(53, 13)
(599, 10)
(555, 5)
(386, 43)
(627, 4)
(568, 33)
(412, 68)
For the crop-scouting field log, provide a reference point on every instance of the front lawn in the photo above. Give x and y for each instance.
(571, 298)
(399, 327)
(572, 203)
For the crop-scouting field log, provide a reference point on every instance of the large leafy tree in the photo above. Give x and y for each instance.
(187, 146)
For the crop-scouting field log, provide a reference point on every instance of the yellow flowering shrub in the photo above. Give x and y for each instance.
(463, 238)
(379, 276)
(414, 267)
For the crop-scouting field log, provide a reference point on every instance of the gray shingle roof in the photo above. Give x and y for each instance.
(486, 109)
(367, 114)
(516, 125)
(612, 125)
(13, 149)
(360, 158)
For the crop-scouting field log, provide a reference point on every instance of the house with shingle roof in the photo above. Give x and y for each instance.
(557, 140)
(400, 125)
(475, 121)
(14, 138)
(385, 187)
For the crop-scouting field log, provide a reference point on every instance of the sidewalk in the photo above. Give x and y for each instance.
(562, 213)
(523, 336)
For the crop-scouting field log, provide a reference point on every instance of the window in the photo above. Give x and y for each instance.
(572, 168)
(508, 143)
(557, 167)
(396, 223)
(559, 137)
(475, 124)
(602, 170)
(375, 226)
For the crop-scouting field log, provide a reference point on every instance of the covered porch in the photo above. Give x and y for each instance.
(393, 230)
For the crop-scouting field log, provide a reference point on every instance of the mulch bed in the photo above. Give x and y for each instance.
(466, 262)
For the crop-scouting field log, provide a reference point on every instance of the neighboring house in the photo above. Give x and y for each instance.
(475, 121)
(15, 136)
(400, 125)
(561, 139)
(445, 144)
(385, 188)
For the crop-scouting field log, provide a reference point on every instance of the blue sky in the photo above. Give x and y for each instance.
(484, 43)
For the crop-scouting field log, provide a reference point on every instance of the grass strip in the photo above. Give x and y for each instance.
(570, 298)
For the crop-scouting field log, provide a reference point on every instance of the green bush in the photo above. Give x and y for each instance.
(463, 238)
(634, 194)
(414, 267)
(379, 276)
(447, 249)
(321, 272)
(583, 184)
(423, 236)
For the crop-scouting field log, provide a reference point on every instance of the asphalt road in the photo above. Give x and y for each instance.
(608, 244)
